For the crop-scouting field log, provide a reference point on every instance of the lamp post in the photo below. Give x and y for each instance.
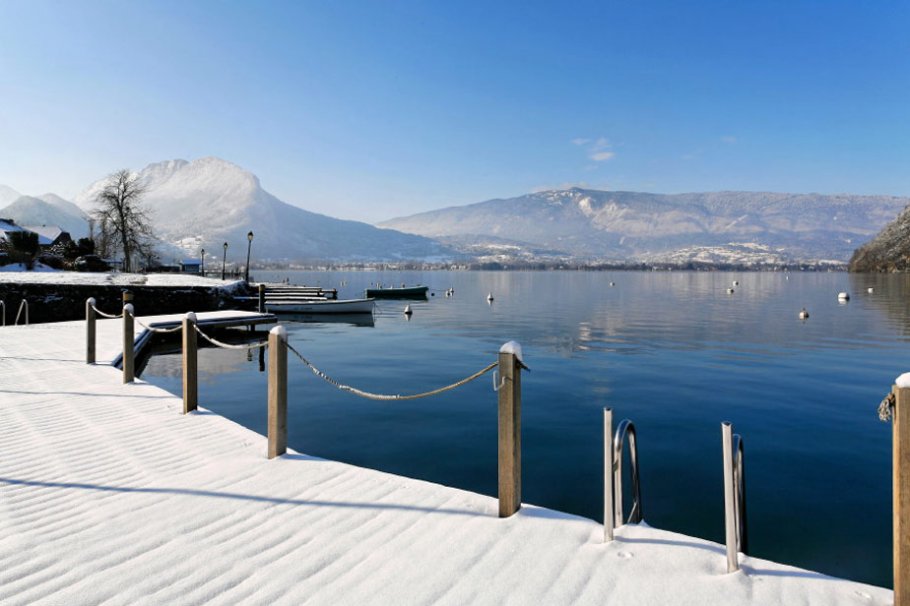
(202, 254)
(249, 238)
(223, 260)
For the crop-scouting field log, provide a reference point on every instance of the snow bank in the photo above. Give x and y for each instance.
(110, 279)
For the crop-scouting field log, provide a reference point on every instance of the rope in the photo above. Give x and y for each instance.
(152, 328)
(886, 408)
(218, 343)
(104, 315)
(377, 396)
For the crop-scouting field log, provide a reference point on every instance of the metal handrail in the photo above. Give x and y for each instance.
(23, 304)
(3, 307)
(739, 495)
(626, 427)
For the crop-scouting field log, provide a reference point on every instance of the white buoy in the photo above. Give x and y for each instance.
(407, 310)
(612, 283)
(842, 296)
(735, 282)
(870, 290)
(490, 297)
(803, 314)
(730, 291)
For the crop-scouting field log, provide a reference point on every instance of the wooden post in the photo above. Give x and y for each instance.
(901, 494)
(726, 430)
(262, 298)
(90, 331)
(509, 429)
(129, 339)
(278, 392)
(608, 475)
(190, 367)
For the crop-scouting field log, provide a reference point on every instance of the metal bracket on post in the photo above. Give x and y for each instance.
(278, 392)
(190, 365)
(90, 330)
(510, 365)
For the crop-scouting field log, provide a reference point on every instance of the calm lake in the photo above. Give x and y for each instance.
(673, 352)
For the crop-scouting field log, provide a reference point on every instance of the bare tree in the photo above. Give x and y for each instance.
(123, 222)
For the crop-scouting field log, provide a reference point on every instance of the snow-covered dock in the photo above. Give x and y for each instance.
(109, 495)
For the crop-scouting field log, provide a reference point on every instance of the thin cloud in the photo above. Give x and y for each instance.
(728, 139)
(580, 141)
(602, 156)
(599, 149)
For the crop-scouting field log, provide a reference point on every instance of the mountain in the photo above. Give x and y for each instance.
(48, 209)
(618, 225)
(7, 195)
(888, 251)
(206, 202)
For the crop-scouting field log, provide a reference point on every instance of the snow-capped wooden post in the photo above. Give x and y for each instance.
(510, 365)
(90, 330)
(278, 392)
(901, 489)
(262, 298)
(129, 353)
(608, 475)
(190, 367)
(730, 513)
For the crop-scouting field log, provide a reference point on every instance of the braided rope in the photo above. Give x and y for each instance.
(104, 315)
(152, 328)
(385, 397)
(218, 343)
(886, 408)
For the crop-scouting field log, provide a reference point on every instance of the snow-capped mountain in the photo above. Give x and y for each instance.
(208, 201)
(48, 209)
(8, 195)
(628, 225)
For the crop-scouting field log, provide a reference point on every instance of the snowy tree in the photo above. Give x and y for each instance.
(124, 224)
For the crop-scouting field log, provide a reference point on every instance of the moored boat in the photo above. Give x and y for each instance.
(404, 292)
(321, 306)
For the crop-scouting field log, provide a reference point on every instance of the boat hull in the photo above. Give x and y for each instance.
(326, 306)
(408, 292)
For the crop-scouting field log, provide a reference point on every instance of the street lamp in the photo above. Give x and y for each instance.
(202, 254)
(223, 260)
(249, 245)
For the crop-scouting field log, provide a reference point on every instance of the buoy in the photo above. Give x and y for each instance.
(842, 296)
(735, 282)
(432, 294)
(803, 314)
(870, 290)
(612, 283)
(490, 297)
(407, 310)
(730, 291)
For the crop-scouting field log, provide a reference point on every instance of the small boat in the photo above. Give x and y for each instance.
(394, 292)
(321, 306)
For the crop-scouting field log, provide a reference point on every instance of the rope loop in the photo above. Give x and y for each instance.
(223, 345)
(886, 408)
(387, 397)
(104, 315)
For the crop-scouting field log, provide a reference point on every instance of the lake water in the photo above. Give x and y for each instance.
(674, 352)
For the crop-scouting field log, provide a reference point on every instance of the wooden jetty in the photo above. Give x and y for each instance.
(109, 495)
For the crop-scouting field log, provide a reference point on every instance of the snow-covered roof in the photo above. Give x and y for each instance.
(46, 232)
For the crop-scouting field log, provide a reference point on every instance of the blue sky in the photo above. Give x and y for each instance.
(369, 110)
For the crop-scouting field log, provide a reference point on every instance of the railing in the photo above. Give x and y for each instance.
(734, 496)
(614, 445)
(22, 305)
(3, 315)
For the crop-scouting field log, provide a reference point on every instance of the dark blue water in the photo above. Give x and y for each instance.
(674, 352)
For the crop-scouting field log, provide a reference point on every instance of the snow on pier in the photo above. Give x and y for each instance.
(109, 495)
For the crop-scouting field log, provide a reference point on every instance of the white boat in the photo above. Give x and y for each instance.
(321, 306)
